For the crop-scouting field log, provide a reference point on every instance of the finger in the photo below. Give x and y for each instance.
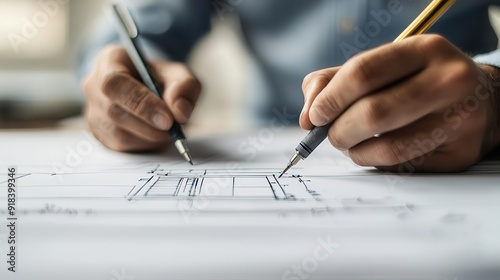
(312, 85)
(114, 59)
(120, 140)
(387, 110)
(116, 77)
(182, 89)
(365, 74)
(103, 109)
(125, 91)
(135, 126)
(438, 162)
(449, 157)
(323, 76)
(404, 145)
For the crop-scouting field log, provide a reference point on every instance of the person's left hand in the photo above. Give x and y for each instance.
(417, 105)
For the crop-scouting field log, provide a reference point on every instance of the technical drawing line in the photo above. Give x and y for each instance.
(271, 186)
(17, 178)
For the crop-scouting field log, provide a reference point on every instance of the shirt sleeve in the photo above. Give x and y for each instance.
(492, 58)
(169, 30)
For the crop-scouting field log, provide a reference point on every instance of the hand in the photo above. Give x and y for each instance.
(123, 114)
(420, 105)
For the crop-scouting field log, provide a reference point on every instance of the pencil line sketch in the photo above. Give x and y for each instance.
(250, 183)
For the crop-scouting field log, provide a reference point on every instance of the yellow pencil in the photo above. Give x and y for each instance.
(426, 19)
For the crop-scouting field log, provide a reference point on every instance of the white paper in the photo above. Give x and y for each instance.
(83, 206)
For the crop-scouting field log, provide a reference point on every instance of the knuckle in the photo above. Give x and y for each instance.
(142, 103)
(434, 43)
(392, 152)
(360, 73)
(336, 140)
(321, 80)
(116, 113)
(112, 82)
(374, 113)
(333, 103)
(358, 158)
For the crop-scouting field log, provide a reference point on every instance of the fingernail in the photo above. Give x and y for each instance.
(185, 107)
(161, 121)
(317, 116)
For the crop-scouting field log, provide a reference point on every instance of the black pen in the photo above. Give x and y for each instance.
(129, 34)
(419, 26)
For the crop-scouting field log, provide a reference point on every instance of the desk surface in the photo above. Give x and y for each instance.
(89, 213)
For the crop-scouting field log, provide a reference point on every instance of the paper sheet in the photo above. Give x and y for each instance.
(72, 189)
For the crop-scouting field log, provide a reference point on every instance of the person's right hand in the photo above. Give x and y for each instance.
(123, 114)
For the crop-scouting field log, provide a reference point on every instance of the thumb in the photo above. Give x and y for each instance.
(324, 109)
(313, 85)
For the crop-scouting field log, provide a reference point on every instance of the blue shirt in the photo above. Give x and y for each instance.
(291, 38)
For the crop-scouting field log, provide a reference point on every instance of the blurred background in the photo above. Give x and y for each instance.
(38, 87)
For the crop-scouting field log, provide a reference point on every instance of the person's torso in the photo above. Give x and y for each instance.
(291, 38)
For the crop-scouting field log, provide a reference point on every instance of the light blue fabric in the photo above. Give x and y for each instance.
(492, 58)
(291, 38)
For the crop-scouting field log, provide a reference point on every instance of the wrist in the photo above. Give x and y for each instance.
(492, 75)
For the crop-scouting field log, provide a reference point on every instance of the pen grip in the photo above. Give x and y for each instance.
(176, 132)
(313, 140)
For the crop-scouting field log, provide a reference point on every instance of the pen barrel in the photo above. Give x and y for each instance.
(426, 19)
(176, 132)
(313, 140)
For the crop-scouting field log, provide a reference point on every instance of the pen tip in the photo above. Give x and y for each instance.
(293, 161)
(285, 170)
(188, 158)
(183, 149)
